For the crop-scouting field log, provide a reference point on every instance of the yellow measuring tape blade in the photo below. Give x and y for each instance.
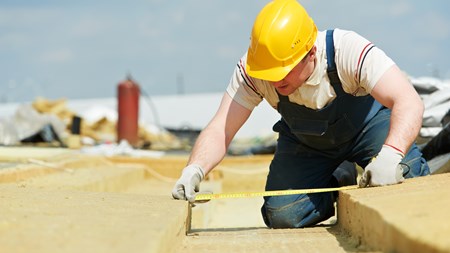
(209, 196)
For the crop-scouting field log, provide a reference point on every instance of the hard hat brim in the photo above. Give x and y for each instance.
(273, 74)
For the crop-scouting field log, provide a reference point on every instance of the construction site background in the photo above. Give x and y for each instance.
(171, 123)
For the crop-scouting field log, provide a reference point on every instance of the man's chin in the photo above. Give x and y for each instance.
(284, 92)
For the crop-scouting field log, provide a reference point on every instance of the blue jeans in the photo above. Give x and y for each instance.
(296, 166)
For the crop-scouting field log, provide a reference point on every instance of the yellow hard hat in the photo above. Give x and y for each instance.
(283, 33)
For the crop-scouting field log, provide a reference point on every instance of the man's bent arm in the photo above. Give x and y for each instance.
(212, 143)
(394, 91)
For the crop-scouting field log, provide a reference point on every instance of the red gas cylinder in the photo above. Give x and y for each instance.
(128, 111)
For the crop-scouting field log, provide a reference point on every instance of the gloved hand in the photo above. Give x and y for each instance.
(189, 182)
(384, 169)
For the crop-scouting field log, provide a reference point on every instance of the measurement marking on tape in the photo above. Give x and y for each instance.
(209, 196)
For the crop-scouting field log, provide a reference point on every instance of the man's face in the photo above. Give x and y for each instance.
(297, 76)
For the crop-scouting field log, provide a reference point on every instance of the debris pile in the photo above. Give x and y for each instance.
(435, 94)
(52, 121)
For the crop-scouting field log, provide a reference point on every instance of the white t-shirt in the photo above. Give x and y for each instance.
(359, 63)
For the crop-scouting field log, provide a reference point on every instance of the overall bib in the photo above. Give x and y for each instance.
(313, 143)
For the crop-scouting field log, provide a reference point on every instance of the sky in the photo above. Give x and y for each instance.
(83, 49)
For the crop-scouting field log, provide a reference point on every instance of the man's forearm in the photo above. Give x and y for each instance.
(209, 149)
(394, 91)
(406, 121)
(212, 143)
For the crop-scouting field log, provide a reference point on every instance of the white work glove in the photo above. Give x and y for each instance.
(384, 169)
(189, 183)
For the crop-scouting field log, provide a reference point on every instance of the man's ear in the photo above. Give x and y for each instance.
(312, 53)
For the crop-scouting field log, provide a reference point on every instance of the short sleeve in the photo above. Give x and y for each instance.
(242, 88)
(360, 63)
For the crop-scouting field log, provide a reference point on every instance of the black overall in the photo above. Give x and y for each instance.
(337, 123)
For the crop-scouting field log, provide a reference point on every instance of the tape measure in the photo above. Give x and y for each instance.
(205, 197)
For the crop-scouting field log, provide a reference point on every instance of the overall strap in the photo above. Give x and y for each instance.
(331, 69)
(331, 64)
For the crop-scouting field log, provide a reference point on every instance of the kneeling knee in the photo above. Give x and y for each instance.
(298, 214)
(280, 218)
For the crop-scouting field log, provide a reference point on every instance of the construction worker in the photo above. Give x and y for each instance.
(340, 99)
